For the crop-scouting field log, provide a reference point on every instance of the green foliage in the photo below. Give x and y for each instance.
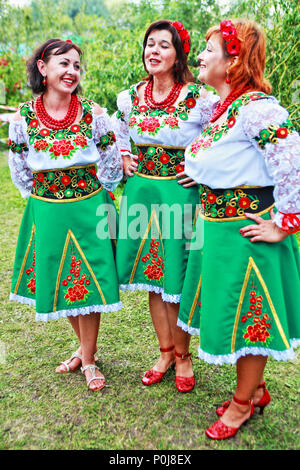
(111, 34)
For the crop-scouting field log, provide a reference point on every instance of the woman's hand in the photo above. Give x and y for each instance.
(264, 231)
(130, 164)
(186, 182)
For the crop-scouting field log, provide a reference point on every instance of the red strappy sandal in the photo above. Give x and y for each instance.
(152, 376)
(184, 384)
(263, 402)
(219, 430)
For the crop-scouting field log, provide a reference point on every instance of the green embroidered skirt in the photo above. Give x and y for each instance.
(65, 256)
(156, 223)
(240, 297)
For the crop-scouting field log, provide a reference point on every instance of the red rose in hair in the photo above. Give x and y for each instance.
(233, 47)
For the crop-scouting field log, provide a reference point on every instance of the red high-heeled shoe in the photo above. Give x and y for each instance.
(219, 430)
(184, 384)
(152, 376)
(263, 402)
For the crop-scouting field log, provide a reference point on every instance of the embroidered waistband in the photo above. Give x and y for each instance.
(67, 184)
(231, 204)
(159, 161)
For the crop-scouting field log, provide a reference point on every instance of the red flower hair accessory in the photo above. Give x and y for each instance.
(229, 33)
(184, 35)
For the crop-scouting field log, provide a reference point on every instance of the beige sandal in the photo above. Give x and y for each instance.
(67, 362)
(92, 368)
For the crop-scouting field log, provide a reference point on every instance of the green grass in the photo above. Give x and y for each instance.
(40, 409)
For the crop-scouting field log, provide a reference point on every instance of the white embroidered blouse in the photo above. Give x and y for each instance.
(36, 149)
(174, 126)
(255, 146)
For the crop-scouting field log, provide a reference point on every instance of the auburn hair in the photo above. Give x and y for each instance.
(249, 67)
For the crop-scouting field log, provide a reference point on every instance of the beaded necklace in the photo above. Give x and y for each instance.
(221, 108)
(168, 101)
(52, 123)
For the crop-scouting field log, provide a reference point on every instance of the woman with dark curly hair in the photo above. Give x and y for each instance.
(56, 143)
(162, 114)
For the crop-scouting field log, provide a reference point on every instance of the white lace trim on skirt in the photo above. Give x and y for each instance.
(286, 355)
(72, 312)
(188, 329)
(172, 298)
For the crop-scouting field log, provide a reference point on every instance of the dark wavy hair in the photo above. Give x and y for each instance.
(181, 71)
(35, 78)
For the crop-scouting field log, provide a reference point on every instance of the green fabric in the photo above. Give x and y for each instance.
(273, 284)
(168, 238)
(65, 242)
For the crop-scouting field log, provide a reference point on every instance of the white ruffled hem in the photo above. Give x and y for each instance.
(72, 312)
(187, 328)
(171, 298)
(21, 300)
(286, 355)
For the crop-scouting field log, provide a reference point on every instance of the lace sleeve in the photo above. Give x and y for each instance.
(267, 125)
(110, 167)
(120, 120)
(206, 106)
(21, 174)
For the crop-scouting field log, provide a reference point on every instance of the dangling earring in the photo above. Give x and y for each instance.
(44, 82)
(227, 79)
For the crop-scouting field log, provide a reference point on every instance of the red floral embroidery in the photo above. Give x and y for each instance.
(230, 211)
(45, 132)
(88, 118)
(191, 103)
(244, 202)
(171, 109)
(211, 198)
(172, 121)
(40, 177)
(164, 158)
(257, 331)
(82, 184)
(31, 285)
(132, 121)
(179, 168)
(150, 165)
(75, 128)
(154, 270)
(65, 180)
(78, 291)
(81, 141)
(149, 124)
(34, 123)
(54, 188)
(41, 145)
(61, 147)
(282, 132)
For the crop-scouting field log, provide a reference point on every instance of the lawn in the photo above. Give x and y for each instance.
(44, 410)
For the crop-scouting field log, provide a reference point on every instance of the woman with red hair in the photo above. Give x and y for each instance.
(242, 289)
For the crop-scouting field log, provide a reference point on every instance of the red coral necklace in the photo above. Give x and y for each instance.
(221, 108)
(168, 101)
(52, 123)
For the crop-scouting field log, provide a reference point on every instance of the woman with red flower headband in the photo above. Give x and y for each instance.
(242, 289)
(56, 143)
(162, 114)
